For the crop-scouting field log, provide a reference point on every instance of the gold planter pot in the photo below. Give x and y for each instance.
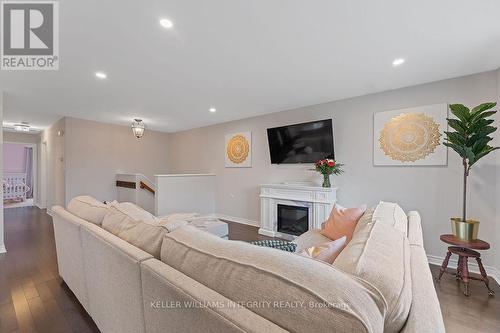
(464, 230)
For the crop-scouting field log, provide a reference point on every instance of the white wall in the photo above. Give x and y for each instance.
(95, 152)
(434, 191)
(53, 164)
(497, 164)
(184, 194)
(21, 137)
(2, 244)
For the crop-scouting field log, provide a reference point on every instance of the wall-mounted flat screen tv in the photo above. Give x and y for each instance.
(301, 143)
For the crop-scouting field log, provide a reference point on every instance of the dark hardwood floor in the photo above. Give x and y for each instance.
(32, 296)
(34, 299)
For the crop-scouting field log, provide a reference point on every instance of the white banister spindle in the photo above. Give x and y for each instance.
(14, 186)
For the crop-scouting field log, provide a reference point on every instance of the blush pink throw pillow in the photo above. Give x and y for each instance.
(325, 252)
(342, 222)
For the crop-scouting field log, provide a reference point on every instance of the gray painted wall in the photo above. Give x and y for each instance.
(95, 152)
(53, 165)
(434, 191)
(497, 183)
(2, 246)
(21, 137)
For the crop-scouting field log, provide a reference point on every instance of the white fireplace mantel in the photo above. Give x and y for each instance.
(318, 199)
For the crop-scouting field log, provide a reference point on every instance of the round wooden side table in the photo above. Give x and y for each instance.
(465, 250)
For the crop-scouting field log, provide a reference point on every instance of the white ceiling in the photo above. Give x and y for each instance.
(245, 57)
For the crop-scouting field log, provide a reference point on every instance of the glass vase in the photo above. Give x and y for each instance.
(326, 181)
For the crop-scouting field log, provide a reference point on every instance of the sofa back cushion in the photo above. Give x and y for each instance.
(380, 255)
(136, 226)
(296, 293)
(392, 214)
(88, 208)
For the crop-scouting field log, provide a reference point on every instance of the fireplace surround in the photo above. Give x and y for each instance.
(311, 203)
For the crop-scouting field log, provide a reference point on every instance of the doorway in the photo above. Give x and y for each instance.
(19, 177)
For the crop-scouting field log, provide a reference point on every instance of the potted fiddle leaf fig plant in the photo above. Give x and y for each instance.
(470, 139)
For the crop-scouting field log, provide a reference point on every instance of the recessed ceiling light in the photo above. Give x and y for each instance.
(212, 110)
(398, 61)
(166, 23)
(101, 75)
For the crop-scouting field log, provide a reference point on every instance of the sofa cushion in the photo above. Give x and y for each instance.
(137, 227)
(380, 254)
(296, 293)
(342, 222)
(392, 214)
(88, 208)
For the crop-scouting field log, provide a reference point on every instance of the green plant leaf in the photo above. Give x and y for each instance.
(456, 125)
(480, 145)
(483, 107)
(482, 115)
(486, 130)
(460, 111)
(459, 149)
(455, 138)
(485, 152)
(476, 126)
(470, 155)
(477, 138)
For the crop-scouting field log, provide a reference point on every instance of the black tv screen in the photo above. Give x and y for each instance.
(301, 143)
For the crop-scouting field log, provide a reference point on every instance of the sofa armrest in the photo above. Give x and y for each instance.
(425, 314)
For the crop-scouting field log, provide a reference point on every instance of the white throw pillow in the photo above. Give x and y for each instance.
(179, 216)
(326, 252)
(171, 224)
(88, 208)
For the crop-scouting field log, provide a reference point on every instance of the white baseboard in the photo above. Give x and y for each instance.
(237, 219)
(490, 270)
(3, 249)
(40, 206)
(267, 233)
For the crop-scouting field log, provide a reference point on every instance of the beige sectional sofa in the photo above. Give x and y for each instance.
(202, 283)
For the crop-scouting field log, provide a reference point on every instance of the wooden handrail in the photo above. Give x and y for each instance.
(145, 186)
(122, 183)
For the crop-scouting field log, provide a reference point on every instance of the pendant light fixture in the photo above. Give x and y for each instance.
(138, 128)
(22, 127)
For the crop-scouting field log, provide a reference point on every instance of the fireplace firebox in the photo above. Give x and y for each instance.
(293, 220)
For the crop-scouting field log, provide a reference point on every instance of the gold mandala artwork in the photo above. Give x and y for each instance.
(409, 137)
(238, 149)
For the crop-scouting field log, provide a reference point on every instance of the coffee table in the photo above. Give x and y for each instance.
(465, 250)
